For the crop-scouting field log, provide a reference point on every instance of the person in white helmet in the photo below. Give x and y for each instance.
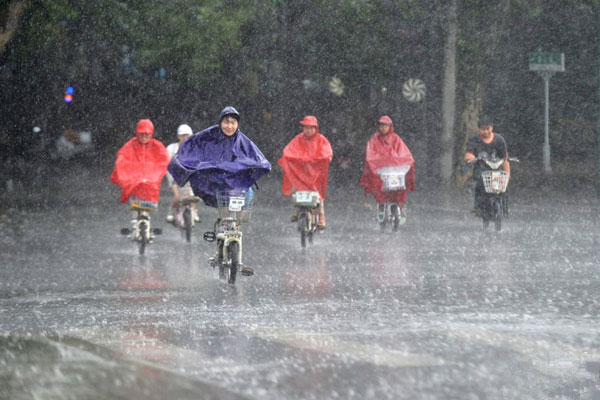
(183, 132)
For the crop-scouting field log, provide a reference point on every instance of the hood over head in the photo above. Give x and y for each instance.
(144, 126)
(384, 119)
(229, 110)
(310, 120)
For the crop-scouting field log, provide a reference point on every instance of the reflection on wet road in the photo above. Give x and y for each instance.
(440, 309)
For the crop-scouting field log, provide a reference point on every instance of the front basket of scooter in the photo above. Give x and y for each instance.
(494, 181)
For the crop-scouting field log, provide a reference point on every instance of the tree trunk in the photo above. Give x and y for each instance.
(449, 97)
(14, 11)
(468, 125)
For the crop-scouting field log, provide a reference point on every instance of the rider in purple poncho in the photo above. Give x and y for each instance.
(218, 158)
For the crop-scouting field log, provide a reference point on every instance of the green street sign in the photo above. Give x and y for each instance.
(554, 62)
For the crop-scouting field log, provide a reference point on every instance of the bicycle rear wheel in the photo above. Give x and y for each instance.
(187, 224)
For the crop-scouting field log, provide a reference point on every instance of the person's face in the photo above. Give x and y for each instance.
(143, 138)
(309, 131)
(229, 125)
(182, 138)
(485, 132)
(384, 128)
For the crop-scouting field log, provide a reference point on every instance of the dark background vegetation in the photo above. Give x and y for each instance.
(182, 61)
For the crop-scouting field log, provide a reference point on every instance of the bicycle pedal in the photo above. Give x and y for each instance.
(247, 271)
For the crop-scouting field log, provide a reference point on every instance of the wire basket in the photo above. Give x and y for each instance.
(393, 177)
(495, 181)
(141, 204)
(236, 204)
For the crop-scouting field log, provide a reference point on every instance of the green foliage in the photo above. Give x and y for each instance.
(46, 24)
(191, 41)
(256, 53)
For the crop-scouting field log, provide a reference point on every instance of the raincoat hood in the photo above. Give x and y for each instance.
(144, 126)
(389, 137)
(384, 119)
(310, 120)
(229, 110)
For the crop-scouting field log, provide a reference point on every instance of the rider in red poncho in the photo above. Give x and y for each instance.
(386, 149)
(141, 164)
(305, 164)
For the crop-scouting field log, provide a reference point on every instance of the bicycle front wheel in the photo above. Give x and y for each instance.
(143, 237)
(383, 222)
(498, 215)
(395, 217)
(303, 228)
(234, 256)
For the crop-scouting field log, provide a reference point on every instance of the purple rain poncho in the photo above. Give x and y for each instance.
(212, 161)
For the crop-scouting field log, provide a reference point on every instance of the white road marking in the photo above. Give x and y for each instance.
(344, 349)
(556, 359)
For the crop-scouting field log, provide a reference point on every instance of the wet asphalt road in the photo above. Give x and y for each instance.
(439, 310)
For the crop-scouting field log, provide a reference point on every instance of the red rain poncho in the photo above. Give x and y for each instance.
(139, 169)
(305, 164)
(386, 151)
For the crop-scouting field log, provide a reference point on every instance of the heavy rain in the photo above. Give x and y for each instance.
(431, 297)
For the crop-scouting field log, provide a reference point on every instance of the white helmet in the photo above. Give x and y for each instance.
(184, 130)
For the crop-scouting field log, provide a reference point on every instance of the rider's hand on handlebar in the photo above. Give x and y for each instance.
(467, 166)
